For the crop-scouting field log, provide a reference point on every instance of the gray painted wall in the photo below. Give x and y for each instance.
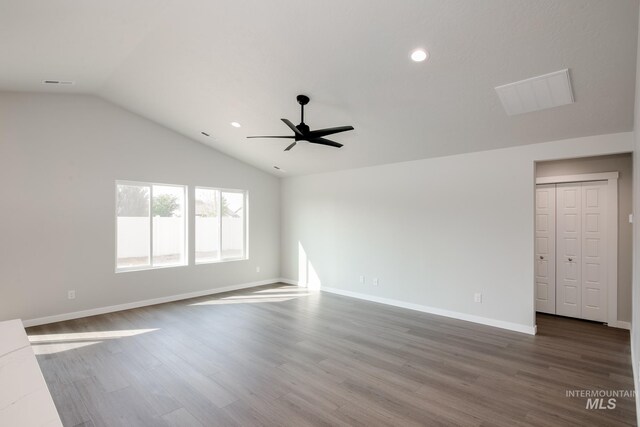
(635, 323)
(621, 163)
(433, 231)
(61, 156)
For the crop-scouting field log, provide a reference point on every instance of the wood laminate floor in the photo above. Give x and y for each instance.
(285, 356)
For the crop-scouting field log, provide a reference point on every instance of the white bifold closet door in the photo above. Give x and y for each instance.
(570, 260)
(545, 264)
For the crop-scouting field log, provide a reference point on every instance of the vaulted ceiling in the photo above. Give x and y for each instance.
(197, 65)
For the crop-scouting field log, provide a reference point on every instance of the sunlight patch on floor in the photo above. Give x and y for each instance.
(55, 343)
(252, 299)
(292, 289)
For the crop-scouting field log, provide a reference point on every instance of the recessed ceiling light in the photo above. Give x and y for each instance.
(205, 134)
(419, 55)
(235, 124)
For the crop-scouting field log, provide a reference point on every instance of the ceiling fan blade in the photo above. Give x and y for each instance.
(292, 126)
(291, 146)
(329, 131)
(290, 136)
(323, 141)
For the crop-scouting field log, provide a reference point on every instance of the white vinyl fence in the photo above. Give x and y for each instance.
(133, 235)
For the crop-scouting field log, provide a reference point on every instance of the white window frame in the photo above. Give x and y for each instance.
(245, 227)
(150, 185)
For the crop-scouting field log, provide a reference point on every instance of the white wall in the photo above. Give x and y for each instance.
(635, 312)
(60, 156)
(433, 231)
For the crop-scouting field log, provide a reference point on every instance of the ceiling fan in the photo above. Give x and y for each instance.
(303, 133)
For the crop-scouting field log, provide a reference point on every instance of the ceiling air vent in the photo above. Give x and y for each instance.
(58, 82)
(537, 93)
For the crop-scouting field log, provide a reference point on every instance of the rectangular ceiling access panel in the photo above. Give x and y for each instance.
(537, 93)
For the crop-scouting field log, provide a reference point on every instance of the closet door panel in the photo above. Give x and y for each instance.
(545, 267)
(569, 250)
(594, 268)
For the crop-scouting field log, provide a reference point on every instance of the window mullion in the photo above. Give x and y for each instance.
(151, 225)
(186, 214)
(220, 225)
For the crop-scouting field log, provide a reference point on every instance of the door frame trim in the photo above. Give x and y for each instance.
(612, 232)
(604, 176)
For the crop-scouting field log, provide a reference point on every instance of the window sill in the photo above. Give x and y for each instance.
(220, 261)
(146, 268)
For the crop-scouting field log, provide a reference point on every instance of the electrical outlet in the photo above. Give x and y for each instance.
(361, 279)
(258, 269)
(375, 281)
(71, 295)
(630, 218)
(477, 297)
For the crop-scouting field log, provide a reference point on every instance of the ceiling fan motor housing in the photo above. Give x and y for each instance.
(302, 127)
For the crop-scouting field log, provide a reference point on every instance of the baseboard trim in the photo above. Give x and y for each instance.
(620, 324)
(143, 303)
(530, 330)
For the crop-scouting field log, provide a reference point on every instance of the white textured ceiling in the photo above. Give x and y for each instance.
(197, 65)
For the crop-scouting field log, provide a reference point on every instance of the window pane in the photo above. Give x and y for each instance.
(207, 225)
(232, 225)
(168, 211)
(132, 212)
